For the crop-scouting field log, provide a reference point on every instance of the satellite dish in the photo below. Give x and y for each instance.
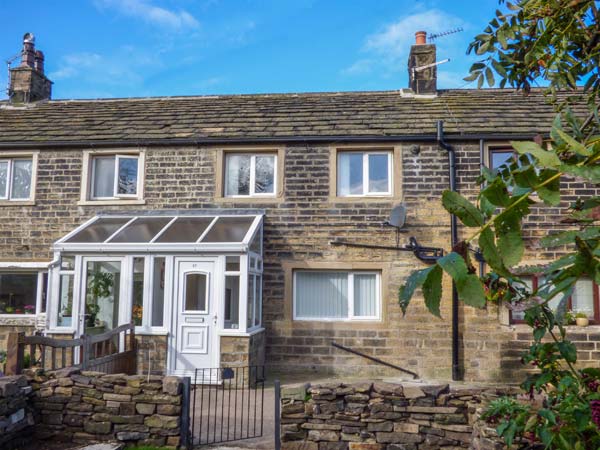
(398, 216)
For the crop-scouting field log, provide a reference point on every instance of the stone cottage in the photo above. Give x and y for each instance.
(251, 229)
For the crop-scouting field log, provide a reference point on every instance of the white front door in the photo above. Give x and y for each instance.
(194, 339)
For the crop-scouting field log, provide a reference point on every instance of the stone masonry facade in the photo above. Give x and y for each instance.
(298, 229)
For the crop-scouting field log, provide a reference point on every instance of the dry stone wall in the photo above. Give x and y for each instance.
(16, 415)
(381, 416)
(82, 406)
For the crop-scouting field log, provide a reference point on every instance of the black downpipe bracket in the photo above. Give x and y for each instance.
(456, 372)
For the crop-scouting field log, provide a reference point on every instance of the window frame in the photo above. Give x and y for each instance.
(595, 320)
(41, 288)
(220, 174)
(350, 277)
(89, 173)
(10, 158)
(365, 173)
(252, 182)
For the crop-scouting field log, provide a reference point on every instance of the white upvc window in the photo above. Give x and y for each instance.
(115, 176)
(364, 173)
(17, 178)
(148, 292)
(250, 175)
(332, 295)
(23, 292)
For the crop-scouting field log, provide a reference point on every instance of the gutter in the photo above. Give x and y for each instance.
(456, 375)
(103, 143)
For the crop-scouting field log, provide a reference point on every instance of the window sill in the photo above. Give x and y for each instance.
(232, 333)
(17, 319)
(70, 331)
(110, 202)
(363, 198)
(338, 320)
(17, 203)
(249, 199)
(143, 331)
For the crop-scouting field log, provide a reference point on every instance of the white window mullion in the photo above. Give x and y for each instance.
(148, 291)
(390, 189)
(351, 295)
(365, 173)
(9, 183)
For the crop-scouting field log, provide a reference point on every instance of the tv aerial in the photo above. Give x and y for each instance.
(434, 36)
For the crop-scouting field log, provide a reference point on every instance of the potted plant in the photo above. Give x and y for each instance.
(10, 310)
(91, 311)
(29, 309)
(569, 317)
(582, 319)
(67, 314)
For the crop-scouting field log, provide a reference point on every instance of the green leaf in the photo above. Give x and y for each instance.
(544, 157)
(591, 173)
(432, 290)
(576, 146)
(548, 415)
(486, 206)
(489, 76)
(511, 247)
(568, 351)
(568, 237)
(550, 193)
(462, 208)
(454, 265)
(497, 193)
(492, 256)
(407, 290)
(539, 333)
(470, 291)
(472, 76)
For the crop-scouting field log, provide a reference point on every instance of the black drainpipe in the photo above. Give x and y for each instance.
(456, 375)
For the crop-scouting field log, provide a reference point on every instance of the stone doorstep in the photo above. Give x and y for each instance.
(105, 446)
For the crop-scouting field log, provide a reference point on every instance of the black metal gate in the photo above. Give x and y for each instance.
(227, 404)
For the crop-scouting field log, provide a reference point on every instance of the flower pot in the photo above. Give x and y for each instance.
(582, 321)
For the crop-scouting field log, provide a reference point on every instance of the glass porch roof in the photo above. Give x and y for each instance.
(181, 233)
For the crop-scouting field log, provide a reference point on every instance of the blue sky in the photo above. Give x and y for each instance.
(125, 48)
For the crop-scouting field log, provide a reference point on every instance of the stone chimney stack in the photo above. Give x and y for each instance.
(27, 82)
(422, 81)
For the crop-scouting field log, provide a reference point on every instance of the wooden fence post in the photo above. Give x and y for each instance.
(86, 348)
(15, 354)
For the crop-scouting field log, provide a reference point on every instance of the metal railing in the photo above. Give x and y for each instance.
(227, 404)
(110, 352)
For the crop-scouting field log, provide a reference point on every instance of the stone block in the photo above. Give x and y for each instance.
(413, 392)
(321, 426)
(399, 438)
(145, 408)
(172, 385)
(92, 427)
(117, 397)
(295, 392)
(323, 435)
(127, 409)
(388, 388)
(73, 420)
(127, 390)
(333, 445)
(365, 446)
(299, 445)
(127, 419)
(159, 421)
(292, 408)
(131, 436)
(168, 410)
(381, 426)
(404, 427)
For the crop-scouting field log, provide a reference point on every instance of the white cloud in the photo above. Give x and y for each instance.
(125, 67)
(386, 51)
(155, 15)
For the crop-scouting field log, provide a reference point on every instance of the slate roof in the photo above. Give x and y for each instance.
(274, 116)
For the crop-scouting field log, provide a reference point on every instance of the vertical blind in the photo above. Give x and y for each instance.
(327, 295)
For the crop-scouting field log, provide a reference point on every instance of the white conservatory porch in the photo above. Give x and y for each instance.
(191, 278)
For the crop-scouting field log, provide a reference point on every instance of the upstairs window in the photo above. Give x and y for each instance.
(250, 175)
(16, 179)
(114, 176)
(364, 173)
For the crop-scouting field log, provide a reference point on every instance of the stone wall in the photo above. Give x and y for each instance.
(16, 415)
(76, 406)
(379, 416)
(152, 354)
(238, 351)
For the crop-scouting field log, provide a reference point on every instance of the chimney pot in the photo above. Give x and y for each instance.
(28, 53)
(420, 37)
(39, 61)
